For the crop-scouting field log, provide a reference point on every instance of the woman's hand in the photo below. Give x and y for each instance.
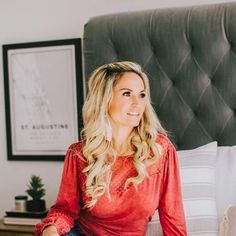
(50, 231)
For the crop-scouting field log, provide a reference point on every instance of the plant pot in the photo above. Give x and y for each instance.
(35, 205)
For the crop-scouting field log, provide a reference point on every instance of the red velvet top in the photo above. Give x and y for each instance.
(128, 211)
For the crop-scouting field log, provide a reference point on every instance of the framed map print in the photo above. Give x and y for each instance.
(43, 98)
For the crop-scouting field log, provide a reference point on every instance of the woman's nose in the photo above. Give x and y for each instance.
(134, 100)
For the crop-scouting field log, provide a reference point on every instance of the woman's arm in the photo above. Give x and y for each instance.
(171, 210)
(66, 209)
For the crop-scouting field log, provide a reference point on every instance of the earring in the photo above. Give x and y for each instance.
(108, 131)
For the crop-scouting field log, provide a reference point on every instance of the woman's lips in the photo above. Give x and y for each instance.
(133, 113)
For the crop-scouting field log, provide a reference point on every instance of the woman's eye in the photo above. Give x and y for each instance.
(126, 94)
(142, 95)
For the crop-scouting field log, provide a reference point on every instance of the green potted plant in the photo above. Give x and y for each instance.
(36, 191)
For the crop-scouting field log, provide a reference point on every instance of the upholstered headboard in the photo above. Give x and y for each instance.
(189, 54)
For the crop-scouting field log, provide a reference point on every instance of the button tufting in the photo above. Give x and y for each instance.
(200, 61)
(191, 47)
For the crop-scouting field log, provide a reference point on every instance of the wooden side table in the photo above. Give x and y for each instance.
(15, 230)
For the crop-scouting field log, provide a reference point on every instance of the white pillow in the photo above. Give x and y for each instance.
(225, 178)
(197, 170)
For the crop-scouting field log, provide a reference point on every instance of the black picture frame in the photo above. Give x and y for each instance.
(43, 87)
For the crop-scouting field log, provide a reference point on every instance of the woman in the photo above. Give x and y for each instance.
(124, 168)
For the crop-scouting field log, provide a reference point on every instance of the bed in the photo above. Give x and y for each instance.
(189, 54)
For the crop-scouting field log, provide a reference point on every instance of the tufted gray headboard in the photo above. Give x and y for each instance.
(189, 54)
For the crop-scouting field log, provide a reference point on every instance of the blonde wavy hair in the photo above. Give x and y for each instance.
(97, 150)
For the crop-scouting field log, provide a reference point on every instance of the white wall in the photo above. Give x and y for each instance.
(28, 21)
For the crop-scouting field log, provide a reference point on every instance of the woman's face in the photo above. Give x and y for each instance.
(128, 101)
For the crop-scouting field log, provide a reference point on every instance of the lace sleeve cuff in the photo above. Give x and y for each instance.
(62, 222)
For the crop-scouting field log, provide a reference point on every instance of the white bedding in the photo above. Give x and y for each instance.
(212, 171)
